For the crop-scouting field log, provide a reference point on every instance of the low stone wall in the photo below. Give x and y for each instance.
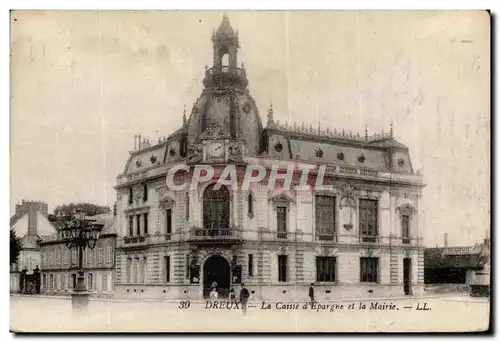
(446, 288)
(291, 293)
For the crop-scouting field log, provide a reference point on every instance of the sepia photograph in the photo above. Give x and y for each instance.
(250, 171)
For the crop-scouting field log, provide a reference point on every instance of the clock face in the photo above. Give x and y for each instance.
(215, 149)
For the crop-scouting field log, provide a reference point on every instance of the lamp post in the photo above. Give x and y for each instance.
(79, 233)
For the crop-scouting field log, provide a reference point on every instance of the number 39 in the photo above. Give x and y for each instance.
(184, 304)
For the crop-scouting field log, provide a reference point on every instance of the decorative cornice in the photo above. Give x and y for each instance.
(328, 133)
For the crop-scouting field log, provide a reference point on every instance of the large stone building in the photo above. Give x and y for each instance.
(30, 223)
(360, 238)
(59, 264)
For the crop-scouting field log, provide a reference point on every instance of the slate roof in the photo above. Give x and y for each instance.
(435, 258)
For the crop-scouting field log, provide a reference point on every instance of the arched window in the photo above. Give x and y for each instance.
(216, 208)
(225, 59)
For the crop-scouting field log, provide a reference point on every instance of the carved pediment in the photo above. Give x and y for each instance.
(406, 208)
(326, 251)
(370, 253)
(281, 196)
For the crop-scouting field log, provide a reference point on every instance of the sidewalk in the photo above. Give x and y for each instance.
(202, 301)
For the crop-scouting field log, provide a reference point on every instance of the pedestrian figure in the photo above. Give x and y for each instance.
(232, 295)
(244, 294)
(214, 295)
(311, 293)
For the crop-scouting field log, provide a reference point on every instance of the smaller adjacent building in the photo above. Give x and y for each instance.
(464, 265)
(59, 264)
(30, 223)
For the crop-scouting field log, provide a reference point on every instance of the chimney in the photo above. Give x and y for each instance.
(445, 239)
(114, 209)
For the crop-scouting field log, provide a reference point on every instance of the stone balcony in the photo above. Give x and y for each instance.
(220, 235)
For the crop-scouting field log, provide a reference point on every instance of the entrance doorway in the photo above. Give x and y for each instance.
(407, 276)
(216, 269)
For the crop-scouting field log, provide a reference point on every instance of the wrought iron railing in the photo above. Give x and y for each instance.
(215, 233)
(135, 239)
(226, 70)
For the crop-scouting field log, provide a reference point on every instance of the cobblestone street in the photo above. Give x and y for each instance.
(32, 314)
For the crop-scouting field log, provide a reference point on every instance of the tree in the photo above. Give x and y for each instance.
(15, 246)
(89, 208)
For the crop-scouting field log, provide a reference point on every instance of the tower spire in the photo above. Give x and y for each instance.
(392, 130)
(184, 120)
(270, 118)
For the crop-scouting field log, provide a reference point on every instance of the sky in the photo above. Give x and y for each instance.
(83, 83)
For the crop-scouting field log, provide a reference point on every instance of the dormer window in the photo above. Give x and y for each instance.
(278, 147)
(361, 158)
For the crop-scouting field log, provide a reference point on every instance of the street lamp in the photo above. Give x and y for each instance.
(79, 233)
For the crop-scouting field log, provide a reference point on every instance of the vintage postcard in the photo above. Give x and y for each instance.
(250, 171)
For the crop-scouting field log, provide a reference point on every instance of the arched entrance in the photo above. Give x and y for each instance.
(216, 269)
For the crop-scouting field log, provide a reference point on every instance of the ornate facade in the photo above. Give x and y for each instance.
(361, 237)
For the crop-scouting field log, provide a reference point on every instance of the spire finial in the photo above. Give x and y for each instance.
(392, 130)
(366, 133)
(184, 120)
(270, 118)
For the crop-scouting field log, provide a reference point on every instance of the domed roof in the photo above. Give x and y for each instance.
(226, 114)
(225, 30)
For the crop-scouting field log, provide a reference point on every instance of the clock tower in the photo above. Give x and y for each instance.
(224, 123)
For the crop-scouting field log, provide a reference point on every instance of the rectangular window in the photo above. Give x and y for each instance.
(131, 225)
(145, 193)
(130, 196)
(51, 281)
(44, 281)
(282, 267)
(90, 284)
(145, 223)
(74, 259)
(104, 285)
(168, 218)
(138, 222)
(129, 270)
(101, 254)
(250, 204)
(325, 269)
(405, 227)
(144, 270)
(368, 220)
(73, 281)
(369, 270)
(325, 217)
(250, 265)
(136, 271)
(187, 265)
(109, 253)
(166, 269)
(281, 217)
